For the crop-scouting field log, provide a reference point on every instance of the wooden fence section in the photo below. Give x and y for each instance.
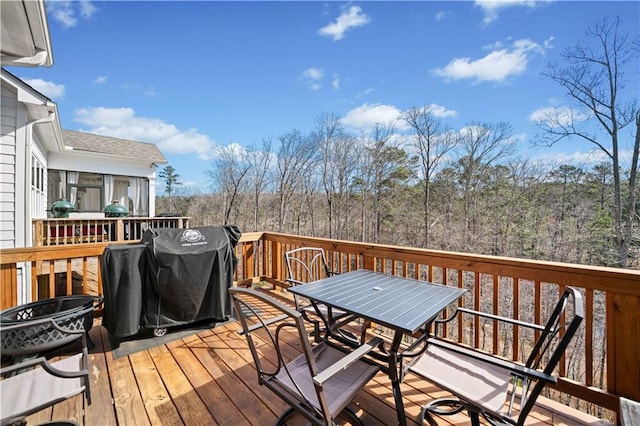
(605, 360)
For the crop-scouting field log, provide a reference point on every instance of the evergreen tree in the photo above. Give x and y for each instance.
(170, 181)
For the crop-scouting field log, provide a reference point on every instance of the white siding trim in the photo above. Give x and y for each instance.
(22, 216)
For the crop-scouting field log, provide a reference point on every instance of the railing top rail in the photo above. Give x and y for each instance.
(625, 280)
(91, 219)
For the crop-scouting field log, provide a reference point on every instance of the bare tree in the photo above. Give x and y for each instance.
(593, 77)
(259, 161)
(295, 156)
(432, 142)
(228, 176)
(339, 163)
(384, 168)
(482, 146)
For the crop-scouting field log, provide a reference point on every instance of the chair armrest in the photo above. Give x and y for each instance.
(491, 317)
(294, 282)
(514, 367)
(346, 361)
(21, 365)
(49, 368)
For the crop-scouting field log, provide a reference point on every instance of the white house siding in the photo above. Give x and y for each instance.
(12, 176)
(9, 114)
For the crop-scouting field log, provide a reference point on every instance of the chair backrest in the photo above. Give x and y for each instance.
(306, 264)
(553, 341)
(268, 326)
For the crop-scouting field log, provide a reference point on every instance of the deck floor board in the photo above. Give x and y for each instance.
(209, 378)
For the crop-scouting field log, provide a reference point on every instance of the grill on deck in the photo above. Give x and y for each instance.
(172, 277)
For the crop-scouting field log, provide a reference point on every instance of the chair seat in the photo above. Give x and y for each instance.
(339, 390)
(469, 379)
(30, 391)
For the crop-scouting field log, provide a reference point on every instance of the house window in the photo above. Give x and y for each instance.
(38, 192)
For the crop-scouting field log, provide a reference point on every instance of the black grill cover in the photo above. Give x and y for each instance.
(191, 272)
(124, 274)
(173, 276)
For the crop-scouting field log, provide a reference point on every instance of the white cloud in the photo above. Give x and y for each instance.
(66, 12)
(367, 116)
(313, 73)
(349, 19)
(336, 81)
(577, 157)
(556, 116)
(498, 65)
(441, 112)
(492, 8)
(101, 79)
(47, 88)
(365, 92)
(87, 8)
(123, 123)
(232, 149)
(441, 15)
(313, 76)
(548, 43)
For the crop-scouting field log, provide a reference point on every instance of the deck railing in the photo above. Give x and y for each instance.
(602, 365)
(49, 232)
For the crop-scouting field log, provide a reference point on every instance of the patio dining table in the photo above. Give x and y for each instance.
(404, 305)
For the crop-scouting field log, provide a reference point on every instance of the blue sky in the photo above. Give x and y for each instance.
(195, 76)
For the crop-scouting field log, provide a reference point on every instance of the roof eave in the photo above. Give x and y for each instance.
(50, 128)
(27, 20)
(41, 110)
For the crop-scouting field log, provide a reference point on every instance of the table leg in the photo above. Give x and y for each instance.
(397, 396)
(395, 377)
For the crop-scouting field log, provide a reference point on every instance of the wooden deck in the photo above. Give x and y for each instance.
(208, 378)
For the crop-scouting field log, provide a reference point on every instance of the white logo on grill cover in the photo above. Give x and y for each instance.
(192, 235)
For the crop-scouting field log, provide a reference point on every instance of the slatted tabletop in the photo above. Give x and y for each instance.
(402, 304)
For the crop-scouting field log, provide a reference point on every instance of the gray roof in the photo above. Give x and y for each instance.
(113, 146)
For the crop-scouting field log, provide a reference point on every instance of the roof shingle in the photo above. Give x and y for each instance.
(90, 142)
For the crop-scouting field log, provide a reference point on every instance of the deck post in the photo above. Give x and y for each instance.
(276, 260)
(623, 345)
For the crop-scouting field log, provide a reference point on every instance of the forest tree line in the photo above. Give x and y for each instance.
(374, 194)
(419, 183)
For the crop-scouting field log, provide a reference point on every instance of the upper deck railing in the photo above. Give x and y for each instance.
(49, 232)
(602, 365)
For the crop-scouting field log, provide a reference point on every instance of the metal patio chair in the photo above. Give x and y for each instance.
(317, 382)
(502, 391)
(308, 264)
(33, 384)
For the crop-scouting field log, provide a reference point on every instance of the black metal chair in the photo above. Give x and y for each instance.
(317, 382)
(503, 392)
(308, 264)
(33, 384)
